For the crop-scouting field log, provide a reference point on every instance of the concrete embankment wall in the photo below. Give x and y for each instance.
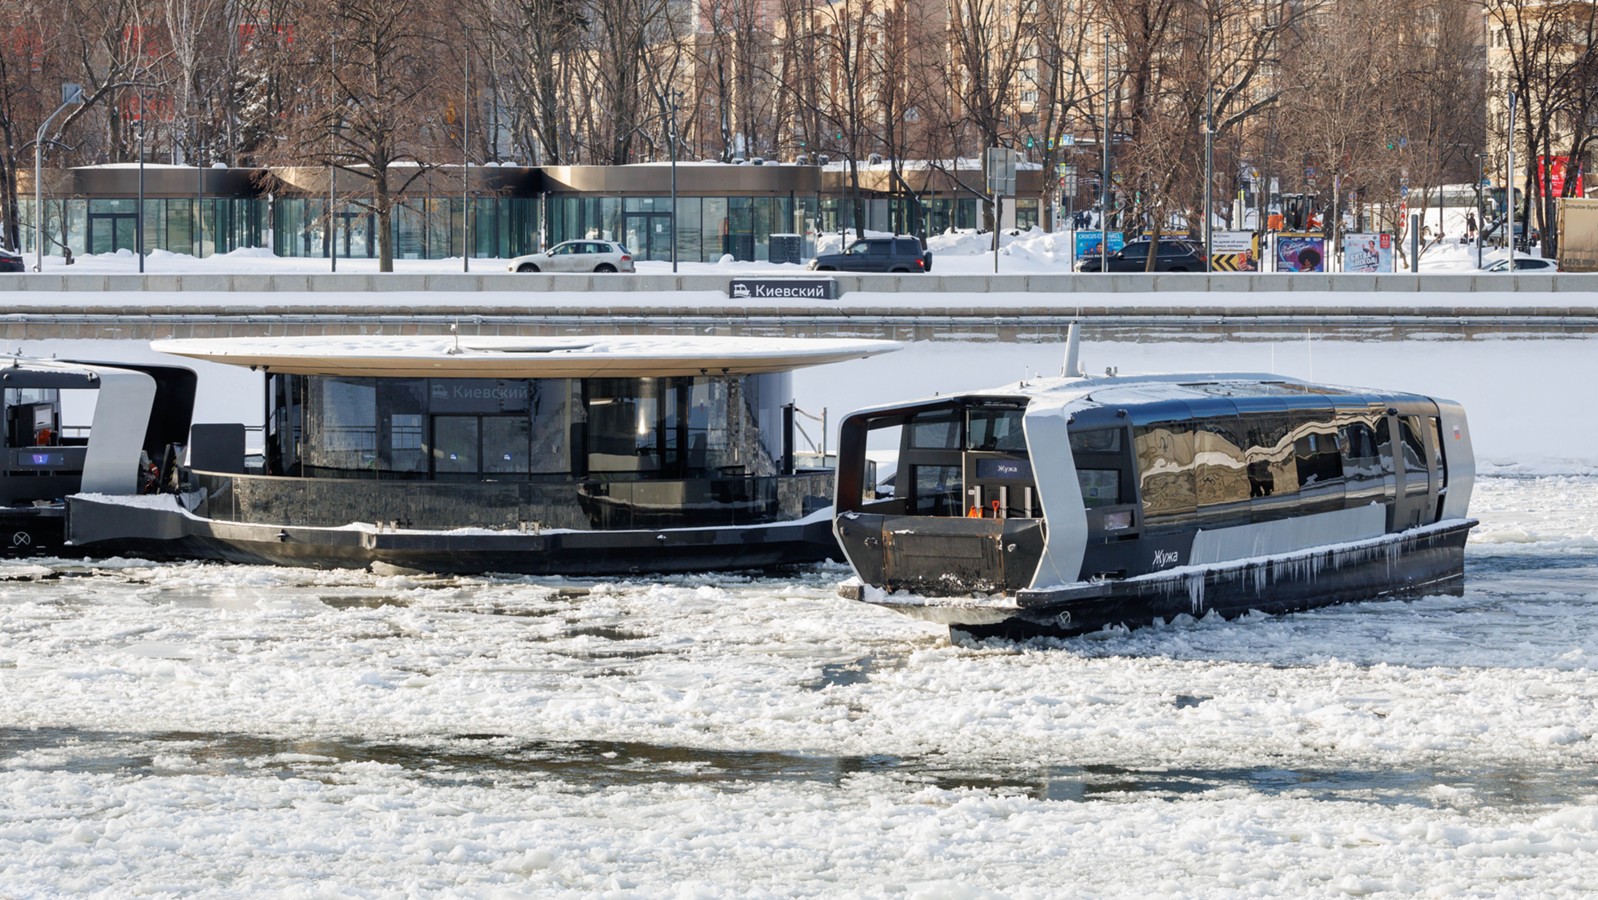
(902, 307)
(1219, 283)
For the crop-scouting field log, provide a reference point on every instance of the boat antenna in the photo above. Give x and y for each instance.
(1073, 362)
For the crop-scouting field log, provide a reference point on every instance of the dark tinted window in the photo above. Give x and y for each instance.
(938, 430)
(1165, 466)
(1100, 487)
(995, 429)
(1272, 470)
(1362, 459)
(1139, 251)
(1221, 474)
(1317, 456)
(938, 491)
(1099, 440)
(879, 248)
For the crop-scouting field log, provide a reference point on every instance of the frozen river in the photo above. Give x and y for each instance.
(234, 731)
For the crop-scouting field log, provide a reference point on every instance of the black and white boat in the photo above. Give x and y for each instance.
(136, 415)
(563, 456)
(1060, 506)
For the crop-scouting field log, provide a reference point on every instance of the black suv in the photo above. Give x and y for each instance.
(11, 261)
(895, 254)
(1174, 256)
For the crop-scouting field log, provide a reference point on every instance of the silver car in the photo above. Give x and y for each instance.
(1525, 264)
(577, 256)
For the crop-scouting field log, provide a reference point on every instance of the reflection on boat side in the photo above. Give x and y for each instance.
(1060, 506)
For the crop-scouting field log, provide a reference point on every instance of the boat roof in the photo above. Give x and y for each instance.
(28, 371)
(449, 356)
(1131, 390)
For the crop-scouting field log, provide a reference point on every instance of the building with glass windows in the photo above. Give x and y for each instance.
(497, 212)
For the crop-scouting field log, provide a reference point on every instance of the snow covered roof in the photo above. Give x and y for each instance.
(621, 356)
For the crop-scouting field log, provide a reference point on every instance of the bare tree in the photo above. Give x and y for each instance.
(369, 100)
(1550, 45)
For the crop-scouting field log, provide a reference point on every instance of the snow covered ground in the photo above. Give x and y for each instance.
(233, 731)
(968, 253)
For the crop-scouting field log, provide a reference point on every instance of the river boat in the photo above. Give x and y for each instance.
(1058, 506)
(546, 456)
(138, 413)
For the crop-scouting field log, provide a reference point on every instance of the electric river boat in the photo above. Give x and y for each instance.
(139, 412)
(1059, 506)
(550, 456)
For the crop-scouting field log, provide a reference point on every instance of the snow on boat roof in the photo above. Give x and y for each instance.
(610, 356)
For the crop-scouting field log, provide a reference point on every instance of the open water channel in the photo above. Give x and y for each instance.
(186, 729)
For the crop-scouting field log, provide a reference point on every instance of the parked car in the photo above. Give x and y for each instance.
(11, 261)
(1525, 264)
(577, 256)
(895, 254)
(1174, 256)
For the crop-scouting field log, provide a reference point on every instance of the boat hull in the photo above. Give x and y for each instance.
(103, 527)
(32, 530)
(1426, 560)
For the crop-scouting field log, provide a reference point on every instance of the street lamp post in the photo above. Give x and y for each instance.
(1481, 210)
(71, 95)
(1509, 184)
(1104, 174)
(138, 230)
(1209, 182)
(466, 161)
(675, 96)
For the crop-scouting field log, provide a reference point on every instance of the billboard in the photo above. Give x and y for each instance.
(1552, 171)
(1367, 253)
(1087, 243)
(1300, 253)
(1234, 251)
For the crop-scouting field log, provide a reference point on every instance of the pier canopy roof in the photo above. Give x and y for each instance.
(446, 356)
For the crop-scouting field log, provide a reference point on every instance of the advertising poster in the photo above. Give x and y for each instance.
(1300, 253)
(1087, 243)
(1368, 253)
(1552, 171)
(1234, 251)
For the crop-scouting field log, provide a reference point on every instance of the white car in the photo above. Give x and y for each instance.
(577, 256)
(1525, 264)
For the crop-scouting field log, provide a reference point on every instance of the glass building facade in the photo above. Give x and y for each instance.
(177, 225)
(721, 210)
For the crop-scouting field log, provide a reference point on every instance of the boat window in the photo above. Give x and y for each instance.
(1438, 456)
(1165, 466)
(1415, 474)
(1272, 470)
(505, 443)
(455, 444)
(936, 430)
(1100, 487)
(1221, 473)
(1097, 440)
(1316, 455)
(1362, 461)
(938, 491)
(996, 429)
(341, 424)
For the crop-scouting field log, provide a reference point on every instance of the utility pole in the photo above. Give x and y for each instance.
(1104, 174)
(138, 228)
(1209, 180)
(466, 160)
(675, 97)
(1509, 184)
